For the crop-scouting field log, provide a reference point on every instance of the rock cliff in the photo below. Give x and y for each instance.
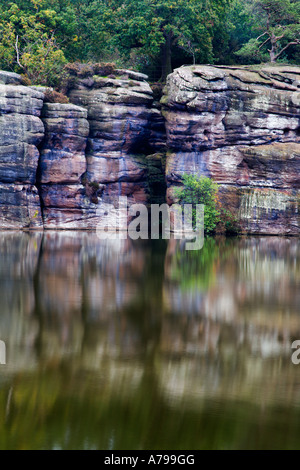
(60, 164)
(240, 126)
(21, 131)
(119, 114)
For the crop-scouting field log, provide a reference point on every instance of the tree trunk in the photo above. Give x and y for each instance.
(273, 49)
(272, 56)
(166, 68)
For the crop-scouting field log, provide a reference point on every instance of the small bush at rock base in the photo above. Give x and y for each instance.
(203, 190)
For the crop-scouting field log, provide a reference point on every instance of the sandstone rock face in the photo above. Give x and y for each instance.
(62, 165)
(74, 162)
(10, 78)
(122, 125)
(80, 182)
(20, 207)
(21, 131)
(62, 157)
(241, 127)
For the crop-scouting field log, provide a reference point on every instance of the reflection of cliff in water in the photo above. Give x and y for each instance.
(69, 292)
(252, 289)
(202, 323)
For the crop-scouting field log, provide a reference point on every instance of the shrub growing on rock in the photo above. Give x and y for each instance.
(52, 96)
(104, 69)
(203, 190)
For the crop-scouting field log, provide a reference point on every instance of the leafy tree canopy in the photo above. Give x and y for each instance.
(158, 27)
(28, 43)
(278, 24)
(37, 37)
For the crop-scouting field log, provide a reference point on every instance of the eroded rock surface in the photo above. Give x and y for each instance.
(121, 131)
(67, 163)
(241, 127)
(21, 131)
(62, 166)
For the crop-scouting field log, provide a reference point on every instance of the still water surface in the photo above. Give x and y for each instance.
(143, 345)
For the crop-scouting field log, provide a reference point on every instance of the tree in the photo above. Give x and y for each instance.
(240, 28)
(157, 27)
(201, 190)
(85, 30)
(278, 22)
(28, 44)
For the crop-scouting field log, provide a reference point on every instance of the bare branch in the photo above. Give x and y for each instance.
(292, 43)
(18, 54)
(266, 32)
(265, 42)
(277, 38)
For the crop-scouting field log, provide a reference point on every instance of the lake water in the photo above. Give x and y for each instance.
(143, 345)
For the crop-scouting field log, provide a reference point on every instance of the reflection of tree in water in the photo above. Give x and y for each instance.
(54, 409)
(196, 269)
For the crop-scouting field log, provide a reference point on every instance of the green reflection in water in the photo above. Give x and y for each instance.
(53, 410)
(145, 346)
(196, 269)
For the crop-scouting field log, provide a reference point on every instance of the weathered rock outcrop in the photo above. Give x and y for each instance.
(95, 153)
(240, 126)
(21, 131)
(62, 165)
(72, 161)
(119, 115)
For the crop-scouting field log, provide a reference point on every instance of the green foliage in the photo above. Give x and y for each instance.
(157, 28)
(143, 35)
(201, 190)
(38, 37)
(228, 223)
(28, 43)
(195, 270)
(240, 31)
